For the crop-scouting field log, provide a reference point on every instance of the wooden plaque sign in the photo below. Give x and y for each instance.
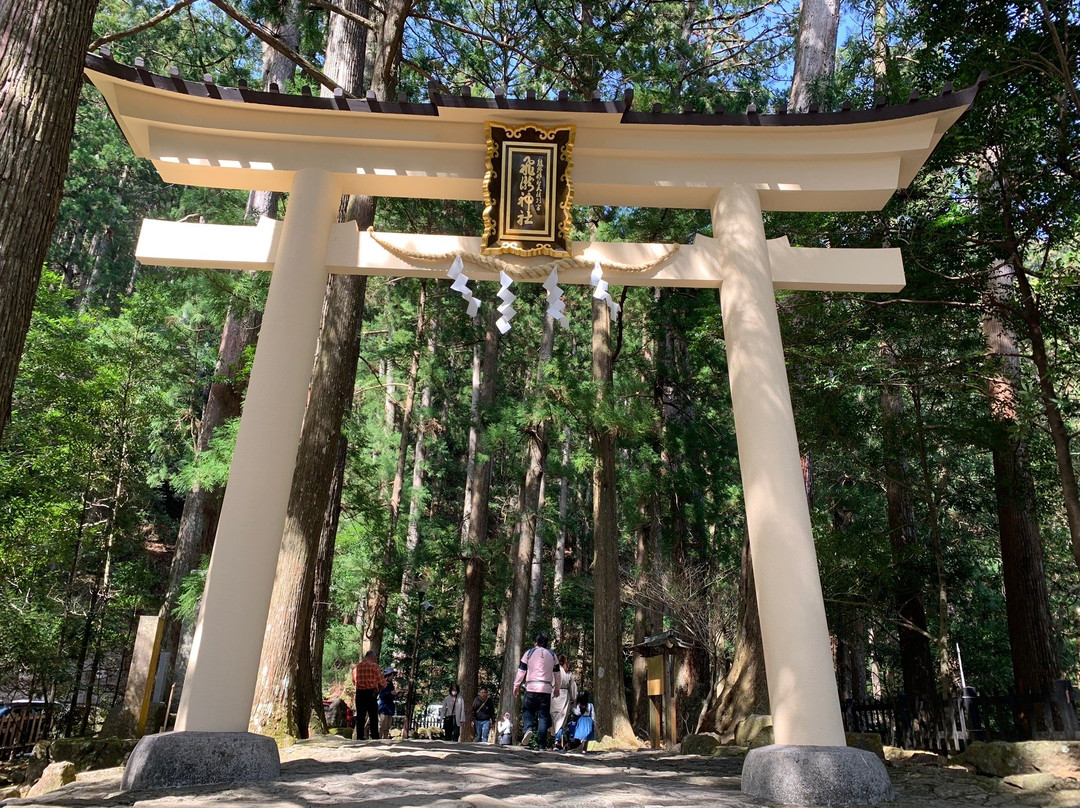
(527, 189)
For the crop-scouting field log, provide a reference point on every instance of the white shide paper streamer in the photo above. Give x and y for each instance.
(460, 284)
(556, 307)
(506, 311)
(601, 290)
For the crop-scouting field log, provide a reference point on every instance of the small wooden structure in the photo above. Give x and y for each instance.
(659, 651)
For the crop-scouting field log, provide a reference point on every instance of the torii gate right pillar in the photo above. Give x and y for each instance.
(794, 634)
(810, 757)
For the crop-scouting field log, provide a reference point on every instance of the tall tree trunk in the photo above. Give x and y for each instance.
(324, 565)
(1027, 608)
(1055, 421)
(930, 497)
(475, 536)
(536, 568)
(559, 572)
(881, 46)
(42, 46)
(379, 590)
(416, 492)
(916, 660)
(283, 692)
(474, 437)
(1030, 314)
(610, 693)
(100, 246)
(647, 621)
(384, 74)
(815, 49)
(744, 691)
(535, 454)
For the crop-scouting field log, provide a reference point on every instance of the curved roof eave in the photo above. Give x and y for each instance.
(201, 133)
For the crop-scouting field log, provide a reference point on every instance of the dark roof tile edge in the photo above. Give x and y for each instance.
(948, 99)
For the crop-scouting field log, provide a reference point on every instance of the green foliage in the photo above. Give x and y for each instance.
(191, 592)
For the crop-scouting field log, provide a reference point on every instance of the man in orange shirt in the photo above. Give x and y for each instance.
(368, 679)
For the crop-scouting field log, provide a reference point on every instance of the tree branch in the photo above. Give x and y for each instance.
(415, 67)
(150, 23)
(271, 40)
(488, 38)
(1065, 73)
(349, 15)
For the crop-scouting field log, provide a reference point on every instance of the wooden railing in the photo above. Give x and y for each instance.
(948, 725)
(20, 731)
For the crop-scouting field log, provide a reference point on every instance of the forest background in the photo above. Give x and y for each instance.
(540, 479)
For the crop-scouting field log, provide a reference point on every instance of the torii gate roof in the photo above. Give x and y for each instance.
(199, 133)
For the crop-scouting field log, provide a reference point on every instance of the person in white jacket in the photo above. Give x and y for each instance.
(505, 730)
(453, 714)
(561, 704)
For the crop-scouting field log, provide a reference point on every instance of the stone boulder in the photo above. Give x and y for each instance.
(870, 741)
(763, 738)
(85, 754)
(1033, 782)
(335, 713)
(56, 775)
(1001, 759)
(913, 757)
(10, 792)
(729, 751)
(754, 731)
(609, 743)
(703, 744)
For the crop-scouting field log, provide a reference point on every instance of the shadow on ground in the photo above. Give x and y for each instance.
(435, 773)
(336, 773)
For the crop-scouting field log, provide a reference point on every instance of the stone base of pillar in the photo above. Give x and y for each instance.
(178, 759)
(816, 775)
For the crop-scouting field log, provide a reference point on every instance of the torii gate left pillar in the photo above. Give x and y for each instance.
(211, 742)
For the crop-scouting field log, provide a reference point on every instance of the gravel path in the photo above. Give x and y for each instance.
(433, 774)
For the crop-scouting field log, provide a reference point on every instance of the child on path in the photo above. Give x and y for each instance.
(505, 730)
(584, 727)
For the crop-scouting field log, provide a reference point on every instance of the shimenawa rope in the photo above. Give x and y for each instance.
(520, 273)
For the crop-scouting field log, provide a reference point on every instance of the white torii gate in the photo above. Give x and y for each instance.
(735, 165)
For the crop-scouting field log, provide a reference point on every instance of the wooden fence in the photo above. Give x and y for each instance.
(20, 731)
(946, 726)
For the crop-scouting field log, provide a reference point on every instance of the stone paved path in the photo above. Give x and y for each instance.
(433, 774)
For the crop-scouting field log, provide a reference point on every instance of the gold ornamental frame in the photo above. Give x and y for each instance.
(531, 216)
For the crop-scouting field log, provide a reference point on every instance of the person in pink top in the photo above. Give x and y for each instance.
(537, 671)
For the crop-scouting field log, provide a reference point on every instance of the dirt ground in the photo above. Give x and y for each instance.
(332, 772)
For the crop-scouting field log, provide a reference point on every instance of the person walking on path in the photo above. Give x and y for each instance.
(483, 710)
(537, 671)
(368, 680)
(387, 707)
(504, 732)
(561, 704)
(585, 726)
(453, 714)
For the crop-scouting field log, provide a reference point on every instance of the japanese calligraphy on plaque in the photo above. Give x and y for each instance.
(527, 189)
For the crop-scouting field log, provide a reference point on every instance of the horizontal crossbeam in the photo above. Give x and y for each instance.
(350, 252)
